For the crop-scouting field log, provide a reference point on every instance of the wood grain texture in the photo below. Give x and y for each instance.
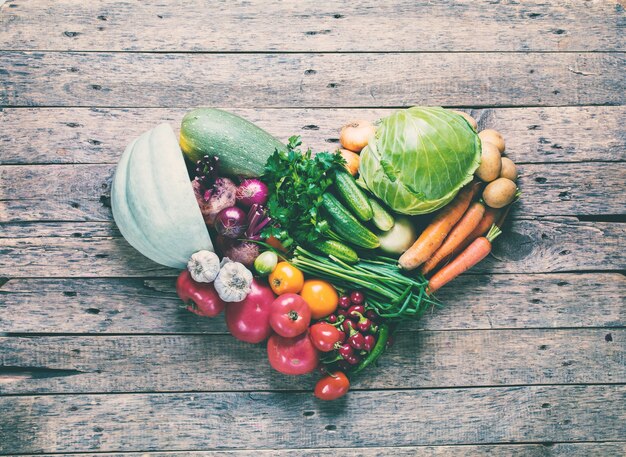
(132, 306)
(105, 364)
(193, 421)
(526, 246)
(311, 80)
(313, 26)
(99, 135)
(616, 449)
(81, 192)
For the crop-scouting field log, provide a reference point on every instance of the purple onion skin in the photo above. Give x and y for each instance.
(252, 191)
(222, 196)
(231, 222)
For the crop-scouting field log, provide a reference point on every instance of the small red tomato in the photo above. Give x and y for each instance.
(293, 356)
(357, 297)
(290, 315)
(332, 386)
(324, 336)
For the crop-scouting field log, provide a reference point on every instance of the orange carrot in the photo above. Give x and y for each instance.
(474, 253)
(433, 235)
(470, 220)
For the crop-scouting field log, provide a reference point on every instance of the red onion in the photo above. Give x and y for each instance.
(252, 191)
(231, 222)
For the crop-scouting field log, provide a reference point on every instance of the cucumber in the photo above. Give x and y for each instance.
(339, 250)
(353, 196)
(382, 219)
(346, 225)
(242, 147)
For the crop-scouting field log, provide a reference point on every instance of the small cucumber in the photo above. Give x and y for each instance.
(346, 225)
(353, 196)
(382, 219)
(339, 250)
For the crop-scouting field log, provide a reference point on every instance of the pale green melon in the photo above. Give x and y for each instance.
(153, 202)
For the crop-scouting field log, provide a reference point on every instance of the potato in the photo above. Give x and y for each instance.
(490, 163)
(493, 137)
(509, 170)
(352, 161)
(499, 193)
(468, 118)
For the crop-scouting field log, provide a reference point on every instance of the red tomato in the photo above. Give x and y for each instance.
(332, 386)
(324, 336)
(249, 319)
(292, 355)
(290, 315)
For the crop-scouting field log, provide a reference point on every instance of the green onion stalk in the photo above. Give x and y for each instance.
(392, 294)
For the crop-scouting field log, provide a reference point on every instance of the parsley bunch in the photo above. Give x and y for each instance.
(296, 183)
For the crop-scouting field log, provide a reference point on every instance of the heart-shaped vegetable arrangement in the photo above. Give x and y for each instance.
(316, 253)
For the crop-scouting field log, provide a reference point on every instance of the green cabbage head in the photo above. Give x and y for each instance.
(420, 158)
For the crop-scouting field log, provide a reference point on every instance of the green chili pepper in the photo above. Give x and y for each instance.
(379, 348)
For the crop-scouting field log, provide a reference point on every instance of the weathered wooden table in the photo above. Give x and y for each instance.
(528, 356)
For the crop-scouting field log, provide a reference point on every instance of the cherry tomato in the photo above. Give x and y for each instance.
(290, 315)
(293, 356)
(321, 297)
(332, 387)
(286, 279)
(324, 336)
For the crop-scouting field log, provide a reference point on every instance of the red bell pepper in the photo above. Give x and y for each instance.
(200, 297)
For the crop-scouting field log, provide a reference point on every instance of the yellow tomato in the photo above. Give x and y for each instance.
(321, 297)
(286, 279)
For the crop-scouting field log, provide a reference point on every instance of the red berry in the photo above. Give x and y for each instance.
(356, 311)
(348, 327)
(357, 297)
(342, 312)
(344, 302)
(332, 318)
(371, 315)
(353, 359)
(364, 324)
(357, 340)
(369, 342)
(345, 350)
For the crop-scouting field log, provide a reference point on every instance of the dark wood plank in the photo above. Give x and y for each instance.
(491, 450)
(193, 421)
(311, 80)
(151, 306)
(527, 246)
(470, 358)
(82, 135)
(313, 26)
(81, 192)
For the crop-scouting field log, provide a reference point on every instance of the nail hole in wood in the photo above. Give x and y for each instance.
(69, 293)
(70, 34)
(330, 428)
(310, 72)
(92, 311)
(608, 337)
(308, 413)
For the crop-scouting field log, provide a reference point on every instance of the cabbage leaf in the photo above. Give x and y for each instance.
(420, 158)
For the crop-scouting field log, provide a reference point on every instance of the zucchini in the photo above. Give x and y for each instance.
(242, 147)
(346, 225)
(382, 219)
(353, 196)
(339, 250)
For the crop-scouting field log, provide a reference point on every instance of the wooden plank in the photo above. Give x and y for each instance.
(81, 192)
(491, 450)
(193, 421)
(105, 364)
(313, 26)
(82, 135)
(311, 80)
(135, 306)
(527, 246)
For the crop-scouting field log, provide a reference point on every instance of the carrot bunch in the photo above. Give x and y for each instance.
(458, 238)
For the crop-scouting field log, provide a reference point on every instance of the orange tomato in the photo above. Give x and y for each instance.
(321, 297)
(286, 279)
